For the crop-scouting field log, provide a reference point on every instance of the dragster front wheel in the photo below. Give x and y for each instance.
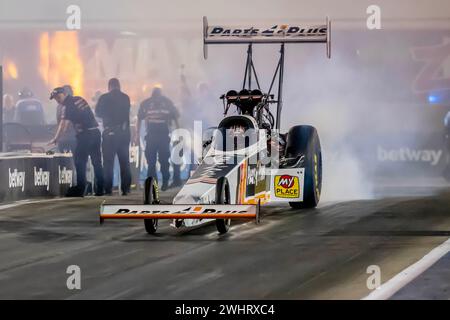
(223, 197)
(151, 196)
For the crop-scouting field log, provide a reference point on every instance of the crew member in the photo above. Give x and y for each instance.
(114, 110)
(67, 142)
(29, 110)
(76, 110)
(159, 113)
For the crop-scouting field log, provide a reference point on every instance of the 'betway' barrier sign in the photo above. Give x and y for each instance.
(406, 154)
(65, 176)
(16, 179)
(27, 176)
(41, 178)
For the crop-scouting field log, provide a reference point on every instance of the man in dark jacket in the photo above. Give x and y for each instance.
(159, 113)
(67, 141)
(114, 109)
(76, 110)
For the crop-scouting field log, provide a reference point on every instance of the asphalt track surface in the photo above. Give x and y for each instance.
(321, 253)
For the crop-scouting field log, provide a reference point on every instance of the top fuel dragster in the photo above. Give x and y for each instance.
(248, 162)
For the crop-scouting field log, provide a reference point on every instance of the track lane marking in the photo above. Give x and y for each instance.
(393, 285)
(19, 203)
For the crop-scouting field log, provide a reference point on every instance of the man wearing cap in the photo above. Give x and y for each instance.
(159, 113)
(67, 141)
(114, 110)
(77, 111)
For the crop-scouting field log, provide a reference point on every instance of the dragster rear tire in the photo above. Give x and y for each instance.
(304, 140)
(151, 196)
(222, 197)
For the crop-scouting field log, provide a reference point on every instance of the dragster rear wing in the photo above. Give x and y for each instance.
(178, 211)
(282, 33)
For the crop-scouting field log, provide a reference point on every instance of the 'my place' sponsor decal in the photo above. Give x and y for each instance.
(286, 186)
(41, 178)
(65, 176)
(406, 154)
(16, 179)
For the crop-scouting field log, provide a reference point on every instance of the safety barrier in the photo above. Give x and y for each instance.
(28, 175)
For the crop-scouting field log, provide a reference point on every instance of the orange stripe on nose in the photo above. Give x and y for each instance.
(179, 216)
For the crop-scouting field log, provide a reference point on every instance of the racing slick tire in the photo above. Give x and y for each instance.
(222, 197)
(304, 141)
(151, 196)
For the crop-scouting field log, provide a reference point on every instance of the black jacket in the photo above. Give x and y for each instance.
(158, 113)
(77, 110)
(114, 109)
